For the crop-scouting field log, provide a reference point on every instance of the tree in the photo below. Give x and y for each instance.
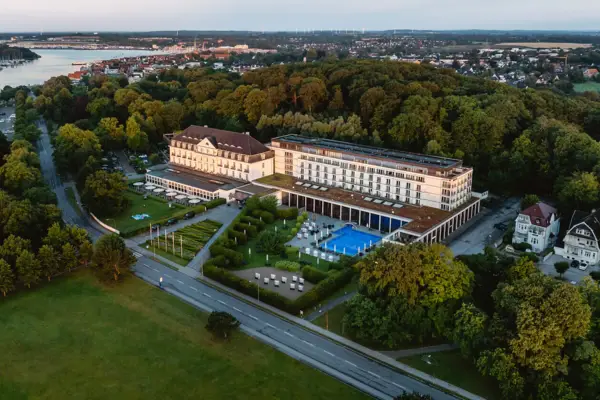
(7, 278)
(470, 329)
(110, 133)
(68, 257)
(581, 191)
(595, 275)
(222, 324)
(270, 242)
(136, 139)
(112, 259)
(86, 252)
(253, 105)
(28, 268)
(49, 261)
(313, 93)
(561, 267)
(103, 193)
(529, 200)
(73, 146)
(522, 269)
(425, 275)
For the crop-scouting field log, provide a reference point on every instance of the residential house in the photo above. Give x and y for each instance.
(590, 73)
(581, 240)
(537, 225)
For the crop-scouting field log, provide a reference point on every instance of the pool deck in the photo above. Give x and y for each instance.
(337, 224)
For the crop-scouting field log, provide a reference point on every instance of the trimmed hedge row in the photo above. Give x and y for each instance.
(313, 275)
(321, 291)
(287, 213)
(290, 266)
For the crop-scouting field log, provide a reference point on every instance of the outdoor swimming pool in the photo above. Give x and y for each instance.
(351, 240)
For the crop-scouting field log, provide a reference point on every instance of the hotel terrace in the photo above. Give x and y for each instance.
(407, 197)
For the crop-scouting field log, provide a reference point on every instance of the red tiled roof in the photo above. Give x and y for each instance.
(540, 214)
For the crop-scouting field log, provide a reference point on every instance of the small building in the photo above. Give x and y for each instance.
(581, 240)
(590, 73)
(537, 225)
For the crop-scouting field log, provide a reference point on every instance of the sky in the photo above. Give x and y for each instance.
(290, 15)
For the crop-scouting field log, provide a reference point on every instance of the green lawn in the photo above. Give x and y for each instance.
(72, 200)
(76, 339)
(334, 316)
(453, 368)
(188, 242)
(256, 259)
(587, 87)
(155, 208)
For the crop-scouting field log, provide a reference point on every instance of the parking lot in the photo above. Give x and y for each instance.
(6, 123)
(572, 274)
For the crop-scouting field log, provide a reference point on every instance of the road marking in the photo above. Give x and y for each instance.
(137, 255)
(374, 374)
(179, 281)
(269, 325)
(207, 295)
(289, 334)
(193, 288)
(308, 343)
(237, 309)
(253, 317)
(222, 302)
(331, 354)
(168, 276)
(354, 365)
(155, 269)
(400, 386)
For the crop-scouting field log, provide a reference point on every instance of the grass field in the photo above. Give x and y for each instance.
(155, 208)
(188, 241)
(587, 87)
(75, 339)
(72, 200)
(257, 260)
(453, 368)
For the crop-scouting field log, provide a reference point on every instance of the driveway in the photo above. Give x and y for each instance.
(572, 274)
(476, 238)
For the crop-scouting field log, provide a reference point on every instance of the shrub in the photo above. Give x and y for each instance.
(234, 258)
(531, 256)
(287, 265)
(214, 203)
(269, 203)
(294, 231)
(251, 230)
(287, 213)
(298, 226)
(253, 221)
(241, 238)
(270, 242)
(267, 217)
(313, 275)
(521, 246)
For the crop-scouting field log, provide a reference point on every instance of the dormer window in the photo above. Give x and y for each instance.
(582, 232)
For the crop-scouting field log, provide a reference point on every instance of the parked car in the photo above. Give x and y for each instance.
(574, 264)
(583, 265)
(155, 227)
(189, 215)
(171, 221)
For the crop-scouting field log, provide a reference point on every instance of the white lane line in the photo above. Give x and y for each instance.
(193, 288)
(207, 295)
(237, 309)
(168, 276)
(354, 365)
(375, 375)
(289, 334)
(271, 326)
(155, 269)
(222, 302)
(179, 282)
(308, 343)
(400, 386)
(253, 317)
(331, 354)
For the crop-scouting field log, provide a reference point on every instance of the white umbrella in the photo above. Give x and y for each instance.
(159, 190)
(181, 197)
(138, 184)
(150, 187)
(171, 194)
(195, 201)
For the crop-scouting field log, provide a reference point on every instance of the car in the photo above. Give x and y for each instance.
(1, 121)
(189, 215)
(2, 113)
(171, 221)
(155, 227)
(574, 264)
(583, 266)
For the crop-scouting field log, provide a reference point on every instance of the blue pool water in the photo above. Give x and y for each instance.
(351, 239)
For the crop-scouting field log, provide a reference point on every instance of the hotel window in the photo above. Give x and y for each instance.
(408, 193)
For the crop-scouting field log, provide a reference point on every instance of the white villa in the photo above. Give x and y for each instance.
(537, 225)
(581, 240)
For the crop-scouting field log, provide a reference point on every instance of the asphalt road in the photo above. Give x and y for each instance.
(336, 360)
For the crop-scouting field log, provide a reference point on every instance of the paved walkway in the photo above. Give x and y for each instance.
(420, 350)
(330, 305)
(226, 217)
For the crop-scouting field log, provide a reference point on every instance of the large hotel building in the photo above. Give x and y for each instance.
(406, 196)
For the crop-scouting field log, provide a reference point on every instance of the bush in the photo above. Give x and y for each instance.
(241, 238)
(313, 275)
(287, 213)
(251, 230)
(294, 231)
(214, 203)
(267, 217)
(253, 221)
(531, 256)
(522, 246)
(270, 242)
(287, 266)
(234, 258)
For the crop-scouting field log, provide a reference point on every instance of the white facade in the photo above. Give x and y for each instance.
(205, 157)
(421, 185)
(539, 237)
(581, 244)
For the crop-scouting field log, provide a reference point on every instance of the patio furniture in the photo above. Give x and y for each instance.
(276, 283)
(294, 278)
(330, 258)
(138, 184)
(300, 288)
(323, 256)
(266, 281)
(307, 251)
(316, 253)
(299, 236)
(273, 276)
(301, 280)
(256, 275)
(283, 279)
(292, 286)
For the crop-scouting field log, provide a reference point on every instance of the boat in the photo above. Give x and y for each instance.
(79, 63)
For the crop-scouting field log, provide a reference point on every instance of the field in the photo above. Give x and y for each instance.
(154, 207)
(545, 45)
(587, 87)
(453, 368)
(190, 239)
(75, 339)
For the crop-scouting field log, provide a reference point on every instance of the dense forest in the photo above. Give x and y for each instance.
(17, 53)
(517, 140)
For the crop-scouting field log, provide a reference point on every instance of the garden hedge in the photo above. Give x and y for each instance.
(313, 275)
(290, 266)
(287, 213)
